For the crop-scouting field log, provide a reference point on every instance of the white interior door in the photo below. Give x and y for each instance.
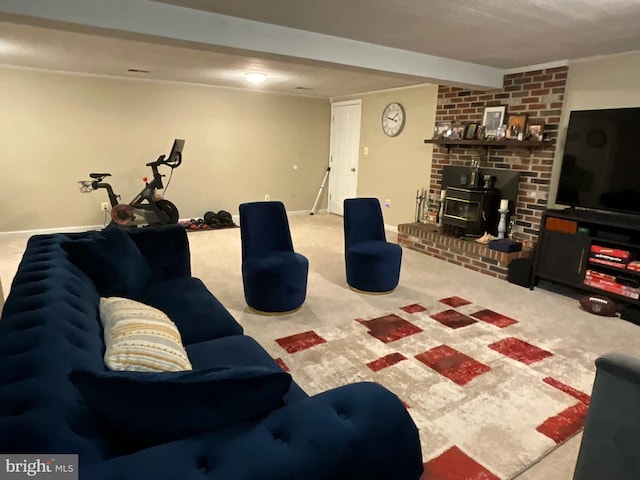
(344, 150)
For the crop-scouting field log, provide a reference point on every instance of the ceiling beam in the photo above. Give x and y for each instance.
(182, 24)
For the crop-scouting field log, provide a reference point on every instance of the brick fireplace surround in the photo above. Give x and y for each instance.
(425, 238)
(538, 94)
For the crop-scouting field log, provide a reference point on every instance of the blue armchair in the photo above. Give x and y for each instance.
(273, 275)
(609, 447)
(372, 263)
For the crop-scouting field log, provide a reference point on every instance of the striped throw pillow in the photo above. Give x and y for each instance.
(140, 338)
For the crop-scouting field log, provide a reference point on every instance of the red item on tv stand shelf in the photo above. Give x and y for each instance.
(604, 256)
(600, 275)
(608, 282)
(611, 289)
(608, 263)
(635, 266)
(614, 252)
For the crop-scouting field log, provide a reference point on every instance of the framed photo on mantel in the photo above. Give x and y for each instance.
(457, 132)
(442, 130)
(516, 126)
(492, 119)
(470, 132)
(535, 130)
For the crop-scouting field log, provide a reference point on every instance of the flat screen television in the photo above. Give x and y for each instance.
(601, 161)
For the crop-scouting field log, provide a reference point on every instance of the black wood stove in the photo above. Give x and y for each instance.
(470, 211)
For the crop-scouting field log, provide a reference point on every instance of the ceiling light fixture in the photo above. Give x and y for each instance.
(255, 78)
(8, 47)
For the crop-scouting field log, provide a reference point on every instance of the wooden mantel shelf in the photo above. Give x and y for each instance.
(447, 142)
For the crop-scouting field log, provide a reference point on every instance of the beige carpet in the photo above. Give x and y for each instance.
(544, 317)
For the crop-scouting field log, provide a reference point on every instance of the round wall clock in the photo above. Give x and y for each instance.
(393, 119)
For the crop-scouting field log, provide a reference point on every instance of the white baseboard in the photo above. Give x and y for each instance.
(391, 228)
(305, 212)
(84, 228)
(44, 231)
(290, 213)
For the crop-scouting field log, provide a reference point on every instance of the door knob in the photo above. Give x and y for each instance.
(353, 169)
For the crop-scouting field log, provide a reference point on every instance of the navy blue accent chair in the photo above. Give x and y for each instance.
(609, 447)
(372, 263)
(273, 275)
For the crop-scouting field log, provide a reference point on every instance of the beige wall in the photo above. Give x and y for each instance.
(240, 145)
(397, 167)
(608, 82)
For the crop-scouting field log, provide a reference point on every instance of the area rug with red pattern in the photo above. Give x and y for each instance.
(488, 402)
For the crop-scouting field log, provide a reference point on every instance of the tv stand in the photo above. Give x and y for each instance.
(591, 250)
(608, 218)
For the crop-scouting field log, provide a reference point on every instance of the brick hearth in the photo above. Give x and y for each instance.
(427, 239)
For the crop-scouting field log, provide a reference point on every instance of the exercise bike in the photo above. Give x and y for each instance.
(148, 207)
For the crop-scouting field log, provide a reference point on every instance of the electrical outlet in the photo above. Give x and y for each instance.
(267, 197)
(104, 207)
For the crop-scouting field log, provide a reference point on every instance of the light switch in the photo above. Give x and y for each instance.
(365, 151)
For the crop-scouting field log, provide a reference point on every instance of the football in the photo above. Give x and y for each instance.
(599, 305)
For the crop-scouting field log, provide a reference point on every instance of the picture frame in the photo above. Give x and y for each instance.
(470, 131)
(492, 119)
(442, 130)
(535, 130)
(516, 126)
(457, 132)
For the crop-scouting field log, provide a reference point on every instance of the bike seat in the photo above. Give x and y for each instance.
(99, 176)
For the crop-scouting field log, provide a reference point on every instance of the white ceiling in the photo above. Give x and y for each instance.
(498, 33)
(37, 47)
(356, 46)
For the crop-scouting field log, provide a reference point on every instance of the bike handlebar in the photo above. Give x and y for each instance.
(171, 162)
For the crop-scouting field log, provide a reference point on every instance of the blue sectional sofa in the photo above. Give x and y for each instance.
(51, 330)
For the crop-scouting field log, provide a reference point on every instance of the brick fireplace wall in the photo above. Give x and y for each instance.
(540, 95)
